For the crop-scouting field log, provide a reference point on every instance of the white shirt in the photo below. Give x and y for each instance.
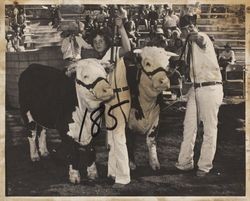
(68, 49)
(228, 55)
(204, 64)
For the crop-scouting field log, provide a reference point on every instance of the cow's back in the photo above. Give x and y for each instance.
(47, 93)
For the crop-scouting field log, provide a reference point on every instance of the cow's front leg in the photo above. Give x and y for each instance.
(74, 175)
(42, 144)
(151, 143)
(92, 171)
(34, 155)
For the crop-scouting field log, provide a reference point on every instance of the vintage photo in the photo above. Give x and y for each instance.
(125, 99)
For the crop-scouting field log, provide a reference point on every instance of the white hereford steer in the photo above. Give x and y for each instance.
(49, 99)
(152, 81)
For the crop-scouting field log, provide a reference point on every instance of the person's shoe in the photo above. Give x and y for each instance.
(119, 186)
(201, 173)
(185, 168)
(110, 180)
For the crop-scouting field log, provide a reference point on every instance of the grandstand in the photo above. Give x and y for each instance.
(225, 22)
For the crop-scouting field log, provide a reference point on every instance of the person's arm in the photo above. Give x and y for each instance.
(198, 39)
(83, 44)
(65, 46)
(124, 37)
(233, 58)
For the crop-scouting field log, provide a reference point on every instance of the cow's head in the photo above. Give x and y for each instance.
(91, 84)
(154, 62)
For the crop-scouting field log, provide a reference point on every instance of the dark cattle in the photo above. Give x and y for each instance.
(50, 99)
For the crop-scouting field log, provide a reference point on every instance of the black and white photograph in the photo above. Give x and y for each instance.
(114, 100)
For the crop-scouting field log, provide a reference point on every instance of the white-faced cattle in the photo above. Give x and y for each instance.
(152, 79)
(50, 99)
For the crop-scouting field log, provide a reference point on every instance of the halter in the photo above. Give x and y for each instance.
(152, 73)
(91, 86)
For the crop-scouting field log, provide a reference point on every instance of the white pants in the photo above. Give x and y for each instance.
(208, 100)
(118, 162)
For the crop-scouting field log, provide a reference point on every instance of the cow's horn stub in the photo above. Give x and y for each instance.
(137, 51)
(171, 54)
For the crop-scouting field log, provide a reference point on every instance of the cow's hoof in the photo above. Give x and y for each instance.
(132, 165)
(35, 158)
(74, 176)
(92, 172)
(44, 154)
(155, 165)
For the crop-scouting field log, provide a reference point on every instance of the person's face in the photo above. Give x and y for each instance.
(15, 11)
(184, 32)
(227, 49)
(99, 44)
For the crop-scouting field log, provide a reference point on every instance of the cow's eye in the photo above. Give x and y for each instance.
(85, 77)
(148, 64)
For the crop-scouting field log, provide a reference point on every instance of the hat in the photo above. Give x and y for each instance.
(177, 32)
(159, 31)
(187, 20)
(228, 46)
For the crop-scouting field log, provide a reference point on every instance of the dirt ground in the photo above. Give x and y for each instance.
(50, 178)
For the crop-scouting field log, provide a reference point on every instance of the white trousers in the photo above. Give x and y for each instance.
(207, 100)
(118, 162)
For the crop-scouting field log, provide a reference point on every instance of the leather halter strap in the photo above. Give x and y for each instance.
(152, 73)
(91, 86)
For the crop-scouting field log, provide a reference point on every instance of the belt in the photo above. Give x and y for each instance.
(204, 84)
(118, 90)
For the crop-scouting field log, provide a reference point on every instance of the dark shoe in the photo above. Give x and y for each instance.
(201, 173)
(110, 180)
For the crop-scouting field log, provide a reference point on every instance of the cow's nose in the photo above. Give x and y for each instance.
(108, 91)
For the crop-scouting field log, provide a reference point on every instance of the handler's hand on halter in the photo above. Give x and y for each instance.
(71, 70)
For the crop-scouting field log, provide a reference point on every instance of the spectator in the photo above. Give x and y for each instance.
(56, 16)
(71, 47)
(170, 21)
(18, 22)
(143, 17)
(102, 16)
(153, 17)
(158, 39)
(131, 30)
(226, 57)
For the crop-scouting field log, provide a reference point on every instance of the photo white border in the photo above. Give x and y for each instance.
(104, 198)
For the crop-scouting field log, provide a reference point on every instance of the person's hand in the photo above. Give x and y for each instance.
(118, 22)
(193, 36)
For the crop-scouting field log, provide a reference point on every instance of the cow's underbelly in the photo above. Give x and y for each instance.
(143, 125)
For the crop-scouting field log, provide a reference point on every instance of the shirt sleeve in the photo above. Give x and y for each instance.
(65, 45)
(83, 44)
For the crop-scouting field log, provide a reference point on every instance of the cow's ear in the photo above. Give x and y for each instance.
(171, 54)
(137, 51)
